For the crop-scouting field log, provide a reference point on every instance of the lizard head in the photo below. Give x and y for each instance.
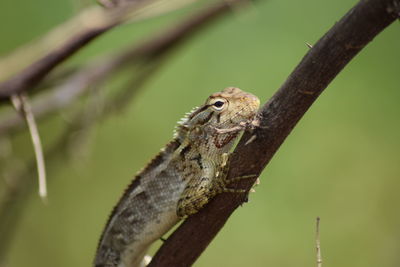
(225, 109)
(231, 108)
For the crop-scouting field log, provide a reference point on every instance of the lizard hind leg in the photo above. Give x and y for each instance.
(225, 189)
(195, 196)
(223, 175)
(200, 190)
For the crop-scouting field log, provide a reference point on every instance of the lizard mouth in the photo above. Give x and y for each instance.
(250, 106)
(242, 108)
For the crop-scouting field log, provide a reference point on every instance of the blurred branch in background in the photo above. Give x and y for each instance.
(142, 60)
(278, 117)
(68, 38)
(78, 82)
(71, 141)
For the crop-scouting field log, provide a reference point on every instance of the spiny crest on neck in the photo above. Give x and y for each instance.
(182, 125)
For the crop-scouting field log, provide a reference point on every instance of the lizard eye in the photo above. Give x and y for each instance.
(218, 104)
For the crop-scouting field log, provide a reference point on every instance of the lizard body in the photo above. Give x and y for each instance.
(179, 181)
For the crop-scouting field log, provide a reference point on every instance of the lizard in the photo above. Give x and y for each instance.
(187, 173)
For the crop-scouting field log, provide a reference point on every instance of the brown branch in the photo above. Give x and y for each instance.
(278, 117)
(86, 27)
(99, 70)
(115, 3)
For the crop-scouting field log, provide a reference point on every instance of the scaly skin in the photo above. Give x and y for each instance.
(179, 181)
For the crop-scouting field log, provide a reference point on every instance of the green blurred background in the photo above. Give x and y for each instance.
(340, 163)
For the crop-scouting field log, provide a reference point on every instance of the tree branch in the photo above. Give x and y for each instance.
(83, 29)
(278, 117)
(95, 72)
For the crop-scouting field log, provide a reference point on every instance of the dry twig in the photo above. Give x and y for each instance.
(22, 105)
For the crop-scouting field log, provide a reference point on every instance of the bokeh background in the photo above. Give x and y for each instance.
(341, 162)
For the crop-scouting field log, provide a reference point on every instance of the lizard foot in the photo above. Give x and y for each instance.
(250, 125)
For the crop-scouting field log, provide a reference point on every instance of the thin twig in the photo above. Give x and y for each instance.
(318, 244)
(21, 104)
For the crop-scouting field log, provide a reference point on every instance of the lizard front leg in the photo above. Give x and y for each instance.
(202, 188)
(199, 191)
(196, 194)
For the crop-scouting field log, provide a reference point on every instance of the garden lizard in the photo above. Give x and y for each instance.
(179, 181)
